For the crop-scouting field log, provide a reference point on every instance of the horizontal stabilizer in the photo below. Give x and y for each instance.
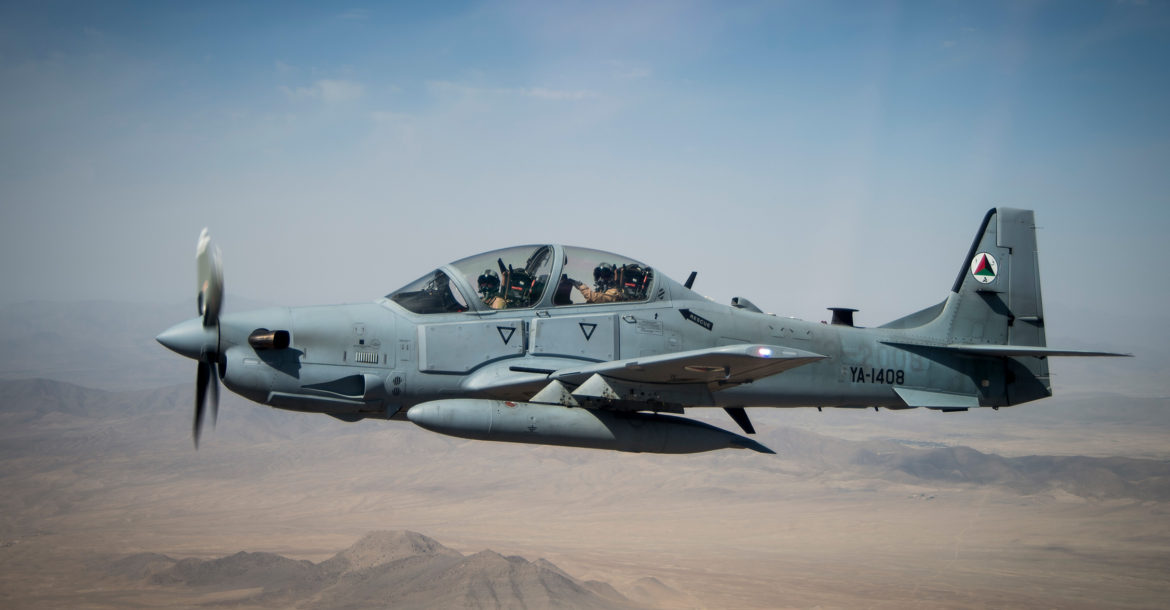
(945, 400)
(1009, 351)
(1028, 350)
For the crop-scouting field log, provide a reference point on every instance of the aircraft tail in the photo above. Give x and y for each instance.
(995, 311)
(998, 287)
(998, 302)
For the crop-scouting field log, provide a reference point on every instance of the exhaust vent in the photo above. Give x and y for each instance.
(262, 338)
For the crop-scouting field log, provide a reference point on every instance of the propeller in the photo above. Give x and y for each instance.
(209, 275)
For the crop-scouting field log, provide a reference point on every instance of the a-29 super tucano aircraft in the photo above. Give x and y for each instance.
(561, 345)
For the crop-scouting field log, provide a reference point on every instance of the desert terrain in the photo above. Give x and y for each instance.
(1063, 504)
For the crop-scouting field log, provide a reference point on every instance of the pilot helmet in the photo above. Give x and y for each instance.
(634, 279)
(603, 276)
(489, 283)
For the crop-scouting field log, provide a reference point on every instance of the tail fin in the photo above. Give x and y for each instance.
(996, 301)
(996, 297)
(997, 292)
(994, 316)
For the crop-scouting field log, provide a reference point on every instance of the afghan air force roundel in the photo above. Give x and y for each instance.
(984, 268)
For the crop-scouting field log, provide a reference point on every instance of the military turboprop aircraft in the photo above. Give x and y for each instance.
(561, 345)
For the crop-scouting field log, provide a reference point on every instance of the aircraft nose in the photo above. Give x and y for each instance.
(188, 338)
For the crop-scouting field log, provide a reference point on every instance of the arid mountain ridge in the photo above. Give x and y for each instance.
(399, 569)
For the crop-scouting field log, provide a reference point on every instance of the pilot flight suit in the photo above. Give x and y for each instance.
(609, 295)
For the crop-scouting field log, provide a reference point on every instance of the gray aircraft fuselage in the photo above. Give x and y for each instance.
(664, 348)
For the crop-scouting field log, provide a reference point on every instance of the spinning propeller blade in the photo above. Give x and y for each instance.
(209, 276)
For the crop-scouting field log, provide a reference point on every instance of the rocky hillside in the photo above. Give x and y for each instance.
(398, 569)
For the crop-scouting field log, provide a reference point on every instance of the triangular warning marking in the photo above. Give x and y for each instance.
(587, 329)
(506, 333)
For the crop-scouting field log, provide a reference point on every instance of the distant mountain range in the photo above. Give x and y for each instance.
(385, 569)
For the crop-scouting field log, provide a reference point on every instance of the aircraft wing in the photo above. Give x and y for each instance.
(679, 378)
(716, 366)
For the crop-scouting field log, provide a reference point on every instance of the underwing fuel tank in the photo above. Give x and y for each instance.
(541, 424)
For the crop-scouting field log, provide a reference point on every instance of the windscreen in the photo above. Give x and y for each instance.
(431, 293)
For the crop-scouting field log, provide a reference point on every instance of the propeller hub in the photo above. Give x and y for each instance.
(190, 338)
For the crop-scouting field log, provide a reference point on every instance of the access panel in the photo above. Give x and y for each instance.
(465, 346)
(588, 337)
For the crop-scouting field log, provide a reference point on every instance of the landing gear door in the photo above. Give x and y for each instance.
(593, 337)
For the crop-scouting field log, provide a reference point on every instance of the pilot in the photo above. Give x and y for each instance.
(604, 287)
(489, 290)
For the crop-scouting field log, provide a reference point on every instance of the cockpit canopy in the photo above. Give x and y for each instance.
(519, 278)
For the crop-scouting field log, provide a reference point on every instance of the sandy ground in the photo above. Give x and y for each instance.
(728, 530)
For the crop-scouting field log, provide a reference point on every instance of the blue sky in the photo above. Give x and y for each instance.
(800, 154)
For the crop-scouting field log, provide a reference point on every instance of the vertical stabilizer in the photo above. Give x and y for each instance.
(998, 286)
(996, 299)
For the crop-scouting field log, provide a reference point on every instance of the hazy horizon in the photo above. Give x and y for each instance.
(801, 155)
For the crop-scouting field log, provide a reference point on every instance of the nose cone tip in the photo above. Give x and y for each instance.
(185, 338)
